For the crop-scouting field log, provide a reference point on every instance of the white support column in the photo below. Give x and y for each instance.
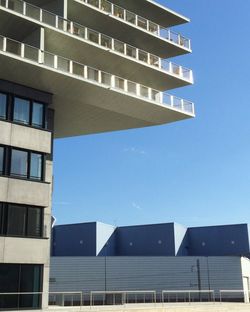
(7, 4)
(112, 81)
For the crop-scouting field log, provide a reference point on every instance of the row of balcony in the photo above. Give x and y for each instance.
(139, 21)
(93, 75)
(95, 37)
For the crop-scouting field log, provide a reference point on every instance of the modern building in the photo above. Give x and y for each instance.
(67, 68)
(166, 239)
(180, 277)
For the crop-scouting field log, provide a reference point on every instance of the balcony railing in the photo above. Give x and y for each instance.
(95, 37)
(141, 22)
(90, 74)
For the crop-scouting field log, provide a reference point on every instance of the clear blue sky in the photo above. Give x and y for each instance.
(195, 172)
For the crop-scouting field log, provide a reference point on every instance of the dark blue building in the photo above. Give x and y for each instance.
(166, 239)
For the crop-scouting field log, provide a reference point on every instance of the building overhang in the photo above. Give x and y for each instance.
(83, 107)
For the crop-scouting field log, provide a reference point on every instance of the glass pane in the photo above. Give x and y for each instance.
(36, 166)
(19, 163)
(9, 277)
(3, 105)
(1, 218)
(1, 159)
(21, 110)
(16, 220)
(37, 114)
(30, 281)
(34, 228)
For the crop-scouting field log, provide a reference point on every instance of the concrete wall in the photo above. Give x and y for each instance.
(20, 191)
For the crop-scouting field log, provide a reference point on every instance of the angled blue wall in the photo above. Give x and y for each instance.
(146, 240)
(225, 240)
(74, 240)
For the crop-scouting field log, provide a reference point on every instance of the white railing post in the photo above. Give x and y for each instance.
(112, 81)
(7, 4)
(22, 49)
(126, 85)
(41, 15)
(71, 28)
(24, 8)
(40, 57)
(99, 76)
(181, 71)
(182, 104)
(99, 39)
(112, 9)
(55, 61)
(4, 44)
(170, 67)
(138, 89)
(57, 21)
(71, 67)
(160, 63)
(85, 72)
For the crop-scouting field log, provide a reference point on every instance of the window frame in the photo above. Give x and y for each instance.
(6, 108)
(31, 110)
(4, 221)
(7, 163)
(10, 105)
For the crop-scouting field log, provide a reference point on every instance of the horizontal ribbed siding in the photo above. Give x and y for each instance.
(144, 273)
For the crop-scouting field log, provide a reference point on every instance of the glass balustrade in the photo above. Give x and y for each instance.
(140, 21)
(27, 52)
(93, 36)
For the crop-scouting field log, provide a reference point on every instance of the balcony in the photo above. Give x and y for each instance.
(153, 11)
(179, 76)
(54, 74)
(118, 22)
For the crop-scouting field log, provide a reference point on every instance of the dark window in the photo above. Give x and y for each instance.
(3, 105)
(19, 163)
(21, 221)
(20, 278)
(21, 111)
(36, 162)
(1, 218)
(1, 159)
(38, 115)
(16, 220)
(34, 222)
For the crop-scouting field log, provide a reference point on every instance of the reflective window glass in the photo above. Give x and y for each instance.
(16, 220)
(1, 159)
(37, 114)
(21, 111)
(34, 227)
(3, 105)
(36, 166)
(19, 163)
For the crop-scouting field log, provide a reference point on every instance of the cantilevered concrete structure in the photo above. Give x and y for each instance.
(67, 68)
